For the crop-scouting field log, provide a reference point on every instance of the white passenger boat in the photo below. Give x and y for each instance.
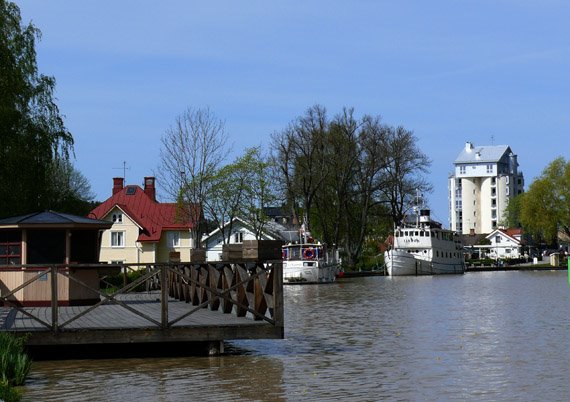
(424, 249)
(309, 261)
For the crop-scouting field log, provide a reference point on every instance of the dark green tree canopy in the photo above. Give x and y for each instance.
(32, 133)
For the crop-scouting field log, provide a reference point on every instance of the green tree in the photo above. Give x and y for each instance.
(513, 212)
(350, 178)
(300, 157)
(32, 132)
(73, 192)
(259, 189)
(545, 207)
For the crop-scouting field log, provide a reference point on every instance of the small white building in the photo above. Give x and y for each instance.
(240, 231)
(505, 244)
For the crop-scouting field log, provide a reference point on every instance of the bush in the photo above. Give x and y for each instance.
(115, 282)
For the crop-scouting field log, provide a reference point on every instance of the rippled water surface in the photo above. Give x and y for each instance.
(479, 336)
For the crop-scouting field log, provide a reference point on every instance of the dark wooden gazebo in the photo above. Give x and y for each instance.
(31, 242)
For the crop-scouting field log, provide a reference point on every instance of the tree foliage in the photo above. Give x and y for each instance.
(545, 207)
(33, 137)
(348, 178)
(241, 189)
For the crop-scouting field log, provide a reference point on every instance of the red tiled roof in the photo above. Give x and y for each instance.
(153, 217)
(513, 232)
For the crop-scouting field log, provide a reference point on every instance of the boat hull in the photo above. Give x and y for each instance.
(401, 262)
(301, 272)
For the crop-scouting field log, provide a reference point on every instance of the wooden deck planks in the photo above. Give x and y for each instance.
(113, 323)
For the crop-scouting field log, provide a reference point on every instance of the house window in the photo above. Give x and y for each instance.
(238, 237)
(497, 239)
(461, 169)
(489, 168)
(117, 239)
(173, 239)
(118, 218)
(10, 248)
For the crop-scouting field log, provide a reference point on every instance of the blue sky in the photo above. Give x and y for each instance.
(489, 72)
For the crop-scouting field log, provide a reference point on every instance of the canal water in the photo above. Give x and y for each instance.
(478, 336)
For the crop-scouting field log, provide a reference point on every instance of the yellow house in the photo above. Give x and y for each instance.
(144, 230)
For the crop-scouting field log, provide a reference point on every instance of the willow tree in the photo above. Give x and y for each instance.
(33, 137)
(545, 207)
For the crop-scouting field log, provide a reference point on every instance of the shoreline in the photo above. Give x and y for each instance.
(490, 268)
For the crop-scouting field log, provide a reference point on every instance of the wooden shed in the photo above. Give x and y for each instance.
(30, 243)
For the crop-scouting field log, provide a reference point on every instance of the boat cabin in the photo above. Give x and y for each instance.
(305, 251)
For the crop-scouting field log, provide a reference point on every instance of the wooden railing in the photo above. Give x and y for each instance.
(246, 289)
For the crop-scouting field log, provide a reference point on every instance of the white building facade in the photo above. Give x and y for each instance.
(485, 178)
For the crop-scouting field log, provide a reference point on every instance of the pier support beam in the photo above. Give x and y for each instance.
(215, 348)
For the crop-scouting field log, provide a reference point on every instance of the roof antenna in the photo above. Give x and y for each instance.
(125, 168)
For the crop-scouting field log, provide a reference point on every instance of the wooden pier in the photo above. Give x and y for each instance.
(179, 302)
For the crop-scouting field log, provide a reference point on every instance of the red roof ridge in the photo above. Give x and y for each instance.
(150, 215)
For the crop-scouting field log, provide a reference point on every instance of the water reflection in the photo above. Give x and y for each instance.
(477, 336)
(205, 378)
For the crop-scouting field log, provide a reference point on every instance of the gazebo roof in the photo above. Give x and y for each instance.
(51, 219)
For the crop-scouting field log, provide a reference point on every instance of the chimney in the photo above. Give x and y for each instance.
(118, 183)
(149, 188)
(468, 146)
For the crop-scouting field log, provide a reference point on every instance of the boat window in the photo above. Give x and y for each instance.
(416, 233)
(294, 252)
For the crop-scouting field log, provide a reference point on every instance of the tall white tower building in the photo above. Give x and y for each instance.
(484, 180)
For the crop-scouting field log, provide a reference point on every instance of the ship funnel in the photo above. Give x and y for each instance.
(424, 216)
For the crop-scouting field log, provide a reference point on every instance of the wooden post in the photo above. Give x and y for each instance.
(279, 315)
(67, 246)
(54, 312)
(215, 348)
(163, 296)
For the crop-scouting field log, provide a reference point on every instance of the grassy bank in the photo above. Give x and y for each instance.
(14, 366)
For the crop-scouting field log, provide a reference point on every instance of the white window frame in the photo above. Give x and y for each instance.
(238, 237)
(118, 238)
(118, 218)
(173, 238)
